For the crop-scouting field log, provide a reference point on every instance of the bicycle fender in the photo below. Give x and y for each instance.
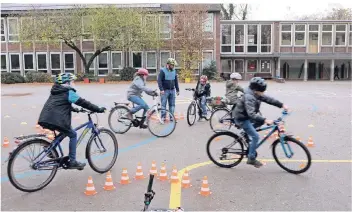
(120, 106)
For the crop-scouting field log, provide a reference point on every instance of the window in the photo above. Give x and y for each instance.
(226, 38)
(207, 58)
(3, 36)
(208, 23)
(340, 35)
(15, 64)
(103, 64)
(42, 62)
(28, 61)
(86, 28)
(137, 60)
(165, 22)
(26, 24)
(151, 62)
(265, 44)
(69, 63)
(239, 38)
(313, 38)
(286, 35)
(226, 65)
(178, 58)
(12, 29)
(252, 66)
(55, 61)
(3, 62)
(265, 66)
(116, 62)
(163, 58)
(350, 36)
(300, 35)
(252, 38)
(327, 35)
(239, 66)
(150, 23)
(87, 56)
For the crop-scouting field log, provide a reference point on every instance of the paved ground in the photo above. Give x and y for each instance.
(326, 186)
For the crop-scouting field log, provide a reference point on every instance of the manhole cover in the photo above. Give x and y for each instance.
(16, 94)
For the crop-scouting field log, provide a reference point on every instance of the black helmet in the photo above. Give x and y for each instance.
(257, 84)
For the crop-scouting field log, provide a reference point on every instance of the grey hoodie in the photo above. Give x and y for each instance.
(137, 87)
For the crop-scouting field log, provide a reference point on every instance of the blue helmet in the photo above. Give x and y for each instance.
(65, 77)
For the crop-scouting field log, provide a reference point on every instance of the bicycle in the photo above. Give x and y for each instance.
(242, 140)
(154, 113)
(148, 197)
(54, 161)
(224, 113)
(192, 108)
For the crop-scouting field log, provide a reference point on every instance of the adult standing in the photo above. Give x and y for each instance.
(168, 85)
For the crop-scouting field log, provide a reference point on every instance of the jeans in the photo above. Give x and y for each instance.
(168, 96)
(203, 105)
(253, 135)
(141, 104)
(72, 145)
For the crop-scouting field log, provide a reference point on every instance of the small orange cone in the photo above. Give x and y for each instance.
(163, 175)
(109, 185)
(217, 139)
(139, 173)
(153, 170)
(124, 178)
(90, 190)
(6, 142)
(174, 177)
(310, 142)
(298, 138)
(302, 165)
(186, 181)
(204, 190)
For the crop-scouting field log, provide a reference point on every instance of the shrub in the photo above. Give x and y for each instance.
(210, 71)
(11, 78)
(38, 77)
(112, 77)
(127, 74)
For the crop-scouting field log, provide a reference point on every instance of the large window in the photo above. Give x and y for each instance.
(86, 28)
(226, 65)
(252, 66)
(12, 26)
(3, 62)
(226, 38)
(15, 65)
(137, 60)
(69, 62)
(87, 56)
(165, 22)
(42, 64)
(103, 64)
(300, 35)
(239, 38)
(265, 44)
(340, 35)
(28, 61)
(208, 23)
(3, 36)
(239, 66)
(55, 62)
(327, 35)
(207, 58)
(313, 38)
(252, 38)
(350, 36)
(265, 66)
(151, 62)
(163, 58)
(116, 62)
(286, 35)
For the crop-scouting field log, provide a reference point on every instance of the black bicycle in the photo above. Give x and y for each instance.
(194, 106)
(219, 119)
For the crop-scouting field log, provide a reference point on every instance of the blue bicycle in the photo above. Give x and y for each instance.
(232, 153)
(44, 159)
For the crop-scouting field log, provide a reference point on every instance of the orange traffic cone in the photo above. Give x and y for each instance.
(153, 170)
(186, 181)
(174, 177)
(124, 178)
(90, 190)
(163, 174)
(109, 185)
(310, 142)
(298, 138)
(204, 190)
(139, 173)
(6, 142)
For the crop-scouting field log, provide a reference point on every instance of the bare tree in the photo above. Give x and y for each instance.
(330, 14)
(234, 11)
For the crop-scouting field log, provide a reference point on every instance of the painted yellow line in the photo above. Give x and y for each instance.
(175, 194)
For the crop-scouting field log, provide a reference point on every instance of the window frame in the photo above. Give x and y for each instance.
(46, 62)
(260, 40)
(169, 28)
(261, 66)
(51, 64)
(332, 35)
(350, 35)
(160, 64)
(178, 61)
(28, 18)
(6, 63)
(294, 35)
(319, 37)
(257, 71)
(155, 22)
(234, 65)
(5, 31)
(231, 41)
(107, 63)
(131, 58)
(212, 57)
(246, 39)
(231, 68)
(234, 39)
(74, 62)
(111, 61)
(281, 31)
(156, 62)
(211, 21)
(93, 64)
(19, 61)
(33, 60)
(83, 32)
(335, 26)
(8, 30)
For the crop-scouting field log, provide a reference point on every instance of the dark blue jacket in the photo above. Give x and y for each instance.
(167, 80)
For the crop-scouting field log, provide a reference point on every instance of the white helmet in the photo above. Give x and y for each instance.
(236, 76)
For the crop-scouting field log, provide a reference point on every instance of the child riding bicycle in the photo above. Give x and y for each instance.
(202, 92)
(232, 88)
(247, 111)
(56, 113)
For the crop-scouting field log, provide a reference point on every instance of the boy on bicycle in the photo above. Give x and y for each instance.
(56, 113)
(232, 88)
(247, 111)
(134, 94)
(202, 92)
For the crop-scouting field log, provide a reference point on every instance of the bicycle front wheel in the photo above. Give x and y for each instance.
(161, 123)
(102, 151)
(291, 147)
(216, 120)
(191, 114)
(117, 122)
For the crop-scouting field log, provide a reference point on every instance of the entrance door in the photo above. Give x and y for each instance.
(312, 71)
(285, 71)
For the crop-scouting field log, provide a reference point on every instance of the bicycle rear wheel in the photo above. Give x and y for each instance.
(191, 114)
(101, 143)
(161, 127)
(42, 176)
(117, 123)
(292, 147)
(215, 120)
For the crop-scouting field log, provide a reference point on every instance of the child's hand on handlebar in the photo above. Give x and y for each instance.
(268, 122)
(285, 107)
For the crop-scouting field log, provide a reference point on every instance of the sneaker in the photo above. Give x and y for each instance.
(143, 126)
(255, 163)
(73, 164)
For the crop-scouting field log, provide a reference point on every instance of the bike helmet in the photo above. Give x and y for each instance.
(143, 71)
(65, 77)
(236, 76)
(257, 84)
(204, 78)
(171, 61)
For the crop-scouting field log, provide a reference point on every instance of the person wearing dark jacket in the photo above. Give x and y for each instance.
(247, 112)
(56, 113)
(202, 92)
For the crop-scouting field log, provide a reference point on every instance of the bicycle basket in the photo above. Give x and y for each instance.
(216, 101)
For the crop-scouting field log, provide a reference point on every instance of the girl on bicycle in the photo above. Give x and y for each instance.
(134, 94)
(202, 92)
